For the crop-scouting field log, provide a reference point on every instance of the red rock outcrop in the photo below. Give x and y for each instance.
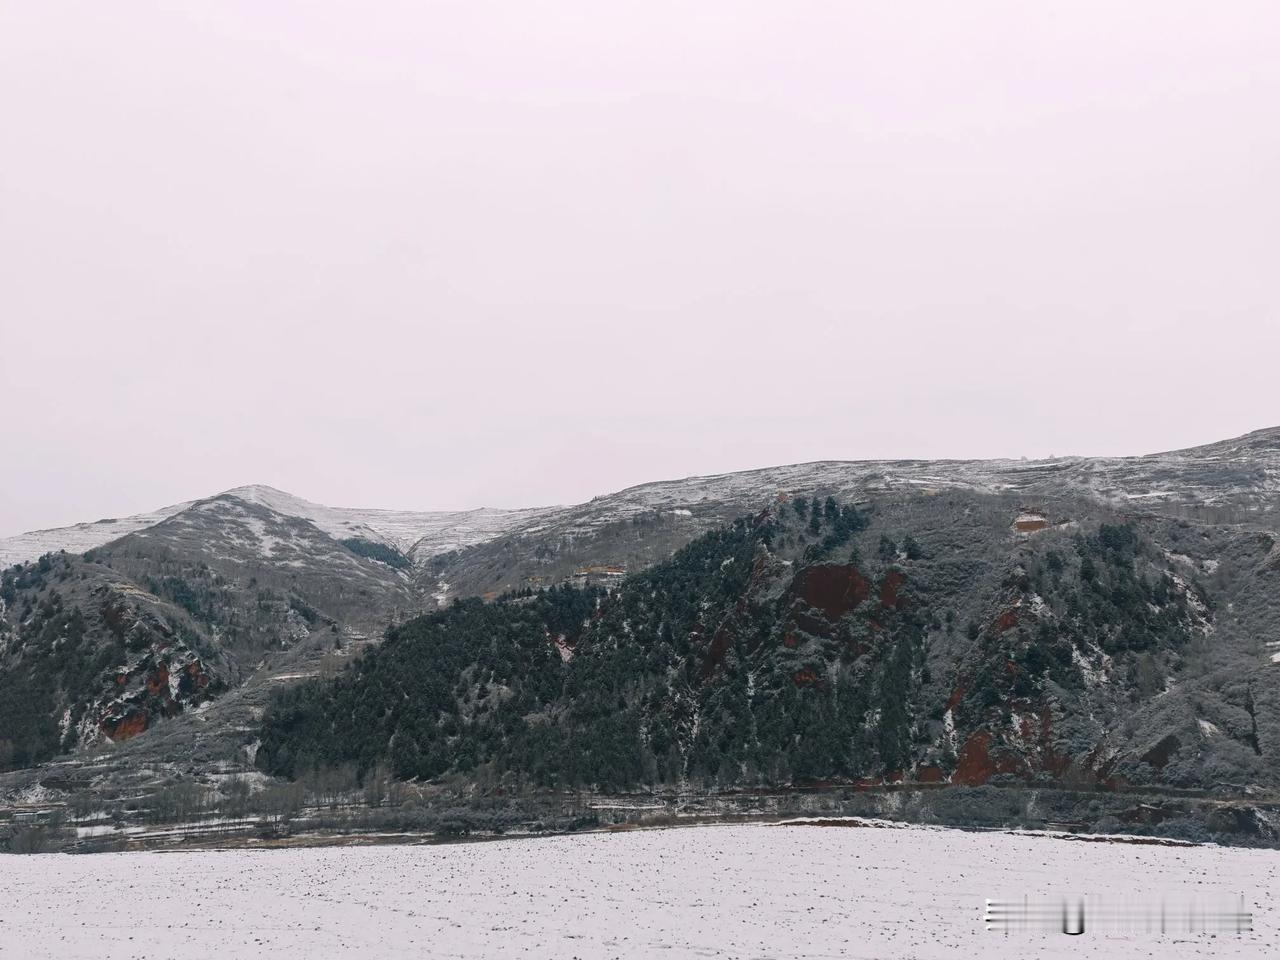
(124, 728)
(975, 765)
(893, 582)
(835, 589)
(1005, 622)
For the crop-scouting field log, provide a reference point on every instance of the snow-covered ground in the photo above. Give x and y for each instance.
(750, 891)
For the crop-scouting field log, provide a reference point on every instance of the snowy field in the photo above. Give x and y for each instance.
(750, 891)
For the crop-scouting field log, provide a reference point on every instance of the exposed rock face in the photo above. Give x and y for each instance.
(832, 588)
(125, 726)
(167, 680)
(974, 766)
(1030, 522)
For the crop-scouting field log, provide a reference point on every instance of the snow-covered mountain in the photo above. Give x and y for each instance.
(418, 534)
(168, 633)
(1242, 473)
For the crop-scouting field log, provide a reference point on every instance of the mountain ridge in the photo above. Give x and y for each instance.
(1147, 588)
(423, 534)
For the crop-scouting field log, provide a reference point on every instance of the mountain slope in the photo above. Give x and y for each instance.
(153, 624)
(86, 655)
(935, 639)
(266, 588)
(1232, 482)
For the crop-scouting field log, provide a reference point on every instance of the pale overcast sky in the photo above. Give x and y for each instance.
(445, 255)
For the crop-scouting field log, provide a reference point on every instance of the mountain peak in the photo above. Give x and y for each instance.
(266, 495)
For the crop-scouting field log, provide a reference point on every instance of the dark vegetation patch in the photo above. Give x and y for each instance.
(77, 656)
(681, 673)
(372, 550)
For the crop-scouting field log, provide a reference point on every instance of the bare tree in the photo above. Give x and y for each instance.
(236, 793)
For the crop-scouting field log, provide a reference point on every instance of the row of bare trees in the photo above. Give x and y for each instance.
(277, 802)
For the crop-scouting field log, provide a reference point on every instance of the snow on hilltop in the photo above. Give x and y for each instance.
(422, 534)
(1243, 472)
(79, 537)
